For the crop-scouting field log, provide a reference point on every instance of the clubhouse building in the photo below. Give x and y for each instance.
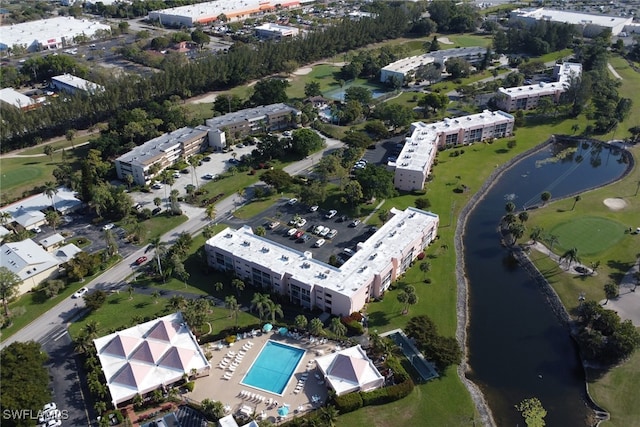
(313, 284)
(413, 164)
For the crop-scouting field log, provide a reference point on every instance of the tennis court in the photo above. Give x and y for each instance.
(424, 368)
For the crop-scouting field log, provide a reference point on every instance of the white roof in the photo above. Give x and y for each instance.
(54, 239)
(563, 72)
(214, 9)
(11, 96)
(420, 147)
(3, 231)
(575, 18)
(26, 258)
(78, 83)
(66, 252)
(411, 63)
(28, 219)
(249, 115)
(64, 200)
(227, 421)
(350, 370)
(48, 29)
(282, 29)
(146, 356)
(373, 256)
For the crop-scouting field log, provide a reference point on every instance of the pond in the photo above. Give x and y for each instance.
(517, 346)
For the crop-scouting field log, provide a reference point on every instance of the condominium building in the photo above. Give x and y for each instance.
(162, 151)
(405, 67)
(270, 31)
(251, 120)
(590, 24)
(413, 164)
(313, 284)
(527, 97)
(73, 84)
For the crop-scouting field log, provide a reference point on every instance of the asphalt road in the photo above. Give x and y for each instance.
(58, 316)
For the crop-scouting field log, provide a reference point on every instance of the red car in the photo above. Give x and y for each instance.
(141, 260)
(298, 234)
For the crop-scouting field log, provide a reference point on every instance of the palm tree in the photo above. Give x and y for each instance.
(155, 295)
(238, 284)
(83, 344)
(49, 150)
(510, 207)
(570, 256)
(523, 216)
(91, 329)
(329, 415)
(536, 233)
(517, 231)
(301, 321)
(232, 304)
(260, 302)
(218, 286)
(611, 290)
(316, 327)
(160, 247)
(130, 291)
(177, 302)
(553, 240)
(403, 297)
(50, 191)
(337, 327)
(275, 310)
(4, 217)
(194, 161)
(211, 211)
(576, 200)
(545, 197)
(53, 219)
(425, 266)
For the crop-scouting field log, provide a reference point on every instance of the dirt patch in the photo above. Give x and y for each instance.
(445, 40)
(615, 204)
(303, 71)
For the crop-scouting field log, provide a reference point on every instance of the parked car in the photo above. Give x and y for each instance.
(36, 230)
(354, 223)
(331, 234)
(157, 186)
(240, 145)
(304, 238)
(319, 229)
(206, 159)
(50, 415)
(313, 208)
(107, 227)
(51, 405)
(292, 202)
(343, 218)
(292, 231)
(185, 171)
(273, 225)
(156, 211)
(348, 252)
(298, 234)
(208, 176)
(141, 260)
(325, 231)
(331, 214)
(53, 423)
(301, 222)
(319, 243)
(176, 175)
(78, 294)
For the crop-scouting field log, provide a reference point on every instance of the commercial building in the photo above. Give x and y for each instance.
(29, 261)
(590, 24)
(162, 151)
(413, 164)
(270, 31)
(206, 13)
(245, 122)
(12, 97)
(404, 67)
(314, 284)
(72, 84)
(149, 356)
(527, 97)
(52, 33)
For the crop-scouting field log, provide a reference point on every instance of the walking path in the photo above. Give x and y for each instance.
(627, 304)
(613, 71)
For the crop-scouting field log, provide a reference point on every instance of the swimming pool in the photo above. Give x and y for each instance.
(273, 367)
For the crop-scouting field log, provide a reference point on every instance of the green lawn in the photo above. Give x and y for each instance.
(58, 145)
(591, 235)
(161, 224)
(630, 85)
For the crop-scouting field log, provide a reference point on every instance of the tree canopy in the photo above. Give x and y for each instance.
(443, 351)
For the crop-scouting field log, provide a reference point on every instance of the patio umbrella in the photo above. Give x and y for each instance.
(283, 411)
(283, 331)
(267, 327)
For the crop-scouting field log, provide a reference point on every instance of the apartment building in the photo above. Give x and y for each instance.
(251, 120)
(527, 97)
(313, 284)
(413, 164)
(162, 151)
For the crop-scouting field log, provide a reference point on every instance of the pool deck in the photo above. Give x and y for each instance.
(217, 388)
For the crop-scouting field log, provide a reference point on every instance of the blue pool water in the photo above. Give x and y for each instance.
(273, 367)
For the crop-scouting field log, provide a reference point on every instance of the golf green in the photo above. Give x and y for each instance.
(14, 177)
(589, 234)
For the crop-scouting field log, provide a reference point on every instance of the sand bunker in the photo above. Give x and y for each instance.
(445, 40)
(615, 204)
(303, 71)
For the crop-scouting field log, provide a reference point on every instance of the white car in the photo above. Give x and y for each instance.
(208, 176)
(313, 208)
(318, 229)
(50, 415)
(331, 214)
(107, 227)
(319, 243)
(36, 230)
(292, 202)
(333, 233)
(50, 406)
(273, 225)
(292, 231)
(78, 294)
(301, 222)
(176, 175)
(325, 231)
(53, 423)
(157, 186)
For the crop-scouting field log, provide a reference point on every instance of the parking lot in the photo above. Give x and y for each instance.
(347, 236)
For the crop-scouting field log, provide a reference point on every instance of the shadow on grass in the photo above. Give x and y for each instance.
(378, 318)
(141, 305)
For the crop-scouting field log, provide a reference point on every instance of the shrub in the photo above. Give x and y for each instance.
(190, 385)
(375, 397)
(348, 402)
